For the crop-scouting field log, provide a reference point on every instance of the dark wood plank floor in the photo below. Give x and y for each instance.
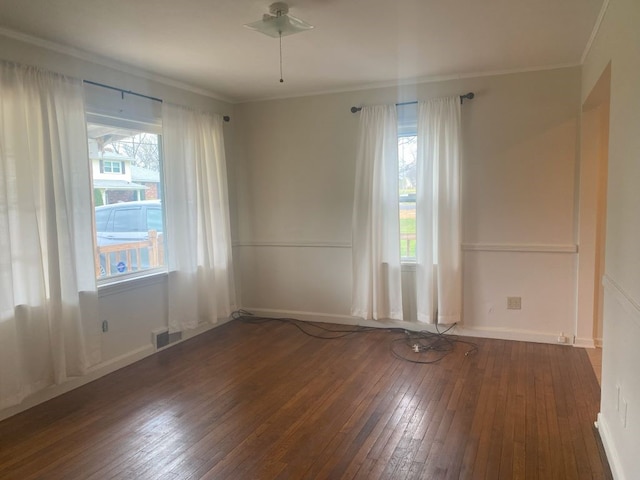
(265, 401)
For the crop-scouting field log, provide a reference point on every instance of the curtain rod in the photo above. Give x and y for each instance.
(226, 118)
(468, 96)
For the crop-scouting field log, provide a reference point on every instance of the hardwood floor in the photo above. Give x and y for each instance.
(265, 401)
(595, 357)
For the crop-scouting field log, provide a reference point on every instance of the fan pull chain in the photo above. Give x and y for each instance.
(281, 79)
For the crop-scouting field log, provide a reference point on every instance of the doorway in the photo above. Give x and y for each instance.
(592, 216)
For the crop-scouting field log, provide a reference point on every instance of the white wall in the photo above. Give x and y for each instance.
(133, 312)
(291, 169)
(617, 42)
(594, 153)
(295, 197)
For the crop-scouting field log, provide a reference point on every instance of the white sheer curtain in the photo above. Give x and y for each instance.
(47, 289)
(377, 292)
(201, 287)
(438, 218)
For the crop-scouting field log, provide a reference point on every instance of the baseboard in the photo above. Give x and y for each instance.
(330, 318)
(502, 333)
(94, 373)
(463, 330)
(98, 371)
(584, 342)
(607, 442)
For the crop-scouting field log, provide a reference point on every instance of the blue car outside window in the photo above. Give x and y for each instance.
(126, 220)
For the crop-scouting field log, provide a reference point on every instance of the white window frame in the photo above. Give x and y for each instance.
(407, 127)
(111, 164)
(142, 126)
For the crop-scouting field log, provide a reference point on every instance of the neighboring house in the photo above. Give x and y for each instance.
(116, 179)
(147, 178)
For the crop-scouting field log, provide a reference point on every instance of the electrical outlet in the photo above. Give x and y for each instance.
(514, 303)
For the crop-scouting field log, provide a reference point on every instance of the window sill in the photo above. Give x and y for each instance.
(119, 285)
(408, 266)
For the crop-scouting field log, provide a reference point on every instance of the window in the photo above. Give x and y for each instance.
(109, 166)
(154, 219)
(126, 220)
(407, 155)
(407, 177)
(128, 230)
(102, 217)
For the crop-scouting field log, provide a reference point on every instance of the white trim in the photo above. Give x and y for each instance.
(461, 329)
(624, 299)
(130, 69)
(101, 370)
(594, 32)
(109, 63)
(309, 316)
(94, 373)
(608, 444)
(205, 327)
(584, 342)
(469, 247)
(519, 247)
(413, 81)
(120, 284)
(502, 333)
(311, 244)
(339, 319)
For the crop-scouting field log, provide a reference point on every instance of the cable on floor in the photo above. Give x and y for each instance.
(421, 347)
(426, 347)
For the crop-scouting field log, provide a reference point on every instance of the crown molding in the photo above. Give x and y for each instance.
(109, 63)
(414, 81)
(594, 32)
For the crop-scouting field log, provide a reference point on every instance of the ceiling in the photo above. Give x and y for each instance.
(355, 43)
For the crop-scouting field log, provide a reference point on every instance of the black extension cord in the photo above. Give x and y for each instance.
(427, 347)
